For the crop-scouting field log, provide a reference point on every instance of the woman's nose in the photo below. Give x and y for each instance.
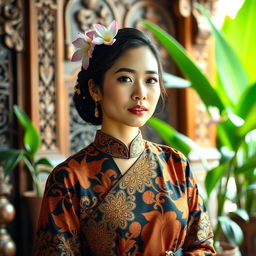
(140, 92)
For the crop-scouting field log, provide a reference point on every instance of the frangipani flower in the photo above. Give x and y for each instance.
(85, 48)
(105, 35)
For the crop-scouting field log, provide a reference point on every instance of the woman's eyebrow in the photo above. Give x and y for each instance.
(125, 70)
(129, 70)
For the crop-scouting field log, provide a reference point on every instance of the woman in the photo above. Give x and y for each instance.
(121, 195)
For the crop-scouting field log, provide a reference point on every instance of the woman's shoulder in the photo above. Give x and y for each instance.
(74, 162)
(167, 150)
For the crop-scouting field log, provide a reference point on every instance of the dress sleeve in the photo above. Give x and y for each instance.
(199, 239)
(58, 230)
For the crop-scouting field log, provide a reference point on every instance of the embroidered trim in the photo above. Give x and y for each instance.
(117, 148)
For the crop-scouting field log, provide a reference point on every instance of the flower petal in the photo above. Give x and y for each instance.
(90, 33)
(113, 28)
(100, 29)
(81, 35)
(90, 51)
(79, 42)
(110, 43)
(85, 62)
(77, 55)
(98, 40)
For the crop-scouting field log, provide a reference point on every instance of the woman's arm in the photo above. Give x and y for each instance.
(199, 239)
(59, 227)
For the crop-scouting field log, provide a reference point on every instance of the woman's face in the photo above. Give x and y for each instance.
(131, 89)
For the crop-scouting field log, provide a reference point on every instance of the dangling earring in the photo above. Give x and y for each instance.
(96, 110)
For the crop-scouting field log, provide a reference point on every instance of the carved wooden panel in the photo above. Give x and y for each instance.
(11, 19)
(48, 95)
(6, 95)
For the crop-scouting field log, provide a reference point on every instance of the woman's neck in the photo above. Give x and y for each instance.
(126, 135)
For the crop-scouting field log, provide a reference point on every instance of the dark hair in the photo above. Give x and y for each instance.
(103, 58)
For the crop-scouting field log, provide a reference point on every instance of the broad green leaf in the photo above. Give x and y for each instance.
(10, 158)
(45, 171)
(231, 230)
(240, 32)
(252, 186)
(199, 82)
(170, 135)
(227, 134)
(231, 71)
(22, 117)
(171, 81)
(248, 166)
(32, 139)
(242, 214)
(44, 161)
(176, 140)
(250, 122)
(246, 101)
(214, 176)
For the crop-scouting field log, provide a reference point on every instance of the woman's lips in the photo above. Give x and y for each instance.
(138, 110)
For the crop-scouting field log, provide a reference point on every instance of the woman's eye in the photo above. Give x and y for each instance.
(124, 79)
(152, 80)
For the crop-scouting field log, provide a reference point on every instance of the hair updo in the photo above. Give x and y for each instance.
(102, 59)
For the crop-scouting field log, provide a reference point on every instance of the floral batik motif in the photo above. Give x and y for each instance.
(91, 208)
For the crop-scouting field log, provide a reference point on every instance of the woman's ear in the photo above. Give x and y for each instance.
(94, 90)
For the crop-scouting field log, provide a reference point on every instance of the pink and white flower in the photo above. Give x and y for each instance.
(85, 48)
(105, 35)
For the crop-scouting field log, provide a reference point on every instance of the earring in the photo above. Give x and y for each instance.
(96, 110)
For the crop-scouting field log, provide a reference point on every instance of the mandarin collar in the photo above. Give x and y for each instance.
(116, 148)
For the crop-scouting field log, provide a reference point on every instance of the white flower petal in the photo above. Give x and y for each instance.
(100, 29)
(113, 28)
(98, 40)
(77, 55)
(79, 43)
(85, 62)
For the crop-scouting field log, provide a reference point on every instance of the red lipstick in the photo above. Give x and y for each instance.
(138, 110)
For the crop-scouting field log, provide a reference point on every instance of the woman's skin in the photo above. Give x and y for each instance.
(131, 82)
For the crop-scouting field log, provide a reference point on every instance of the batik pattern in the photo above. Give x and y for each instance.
(90, 208)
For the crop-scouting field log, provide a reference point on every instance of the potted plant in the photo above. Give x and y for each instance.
(234, 98)
(10, 158)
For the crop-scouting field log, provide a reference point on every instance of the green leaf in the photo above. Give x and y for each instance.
(170, 135)
(189, 69)
(214, 176)
(171, 81)
(231, 230)
(32, 139)
(45, 171)
(252, 186)
(240, 33)
(10, 158)
(250, 122)
(246, 101)
(44, 161)
(176, 140)
(230, 69)
(227, 134)
(242, 214)
(248, 166)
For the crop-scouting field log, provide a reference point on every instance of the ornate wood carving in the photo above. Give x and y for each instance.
(202, 54)
(11, 18)
(6, 95)
(46, 23)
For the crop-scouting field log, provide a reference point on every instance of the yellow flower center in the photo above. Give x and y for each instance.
(87, 48)
(107, 38)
